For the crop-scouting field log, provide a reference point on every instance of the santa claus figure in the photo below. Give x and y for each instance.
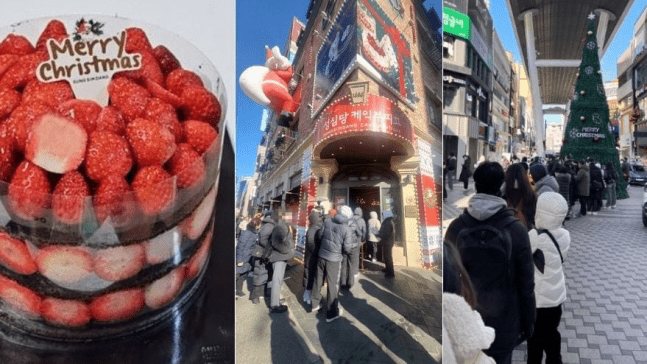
(268, 85)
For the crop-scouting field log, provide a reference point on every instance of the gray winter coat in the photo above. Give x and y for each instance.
(337, 239)
(361, 224)
(546, 184)
(583, 181)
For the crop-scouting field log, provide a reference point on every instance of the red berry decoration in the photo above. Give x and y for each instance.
(107, 154)
(188, 166)
(111, 120)
(137, 41)
(64, 264)
(69, 313)
(113, 199)
(69, 196)
(56, 144)
(21, 120)
(151, 143)
(6, 61)
(199, 135)
(19, 297)
(167, 61)
(180, 78)
(29, 191)
(164, 114)
(198, 103)
(9, 100)
(117, 306)
(118, 263)
(16, 44)
(21, 72)
(83, 112)
(52, 94)
(55, 29)
(15, 255)
(154, 190)
(128, 97)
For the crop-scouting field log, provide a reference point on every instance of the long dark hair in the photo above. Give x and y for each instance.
(518, 193)
(455, 277)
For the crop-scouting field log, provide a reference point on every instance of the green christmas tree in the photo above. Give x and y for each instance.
(588, 132)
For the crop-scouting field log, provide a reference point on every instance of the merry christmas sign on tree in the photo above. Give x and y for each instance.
(588, 132)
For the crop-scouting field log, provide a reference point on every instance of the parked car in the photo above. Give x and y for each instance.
(637, 174)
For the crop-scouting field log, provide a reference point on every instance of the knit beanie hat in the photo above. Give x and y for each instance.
(538, 171)
(346, 211)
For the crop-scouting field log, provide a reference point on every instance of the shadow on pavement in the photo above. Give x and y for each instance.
(396, 336)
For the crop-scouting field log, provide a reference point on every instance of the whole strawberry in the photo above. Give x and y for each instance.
(8, 160)
(187, 165)
(83, 112)
(154, 190)
(178, 79)
(21, 120)
(151, 143)
(52, 93)
(163, 113)
(69, 197)
(113, 198)
(107, 154)
(55, 29)
(29, 191)
(200, 104)
(110, 119)
(168, 62)
(137, 41)
(128, 97)
(16, 44)
(9, 100)
(199, 135)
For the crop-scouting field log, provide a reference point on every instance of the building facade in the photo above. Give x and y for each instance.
(501, 79)
(367, 130)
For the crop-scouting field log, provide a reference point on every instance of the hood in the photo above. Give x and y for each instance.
(373, 215)
(483, 206)
(585, 167)
(549, 181)
(551, 211)
(358, 211)
(386, 214)
(269, 219)
(314, 218)
(340, 219)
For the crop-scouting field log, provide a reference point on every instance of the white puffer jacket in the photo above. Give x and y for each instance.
(550, 287)
(373, 226)
(465, 336)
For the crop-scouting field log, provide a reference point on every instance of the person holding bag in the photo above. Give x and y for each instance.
(466, 172)
(261, 268)
(282, 250)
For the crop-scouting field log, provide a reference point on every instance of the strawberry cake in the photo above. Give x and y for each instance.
(106, 211)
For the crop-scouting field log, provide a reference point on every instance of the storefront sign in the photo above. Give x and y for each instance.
(410, 211)
(456, 23)
(450, 79)
(378, 114)
(358, 92)
(384, 46)
(479, 45)
(336, 56)
(428, 200)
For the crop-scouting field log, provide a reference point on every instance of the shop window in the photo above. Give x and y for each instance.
(450, 99)
(448, 47)
(470, 104)
(432, 113)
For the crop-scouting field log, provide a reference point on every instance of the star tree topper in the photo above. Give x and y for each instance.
(591, 16)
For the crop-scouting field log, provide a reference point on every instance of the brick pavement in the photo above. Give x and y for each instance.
(605, 314)
(384, 321)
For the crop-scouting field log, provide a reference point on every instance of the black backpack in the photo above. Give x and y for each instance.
(486, 252)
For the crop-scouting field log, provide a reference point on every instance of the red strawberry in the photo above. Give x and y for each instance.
(180, 78)
(110, 119)
(6, 61)
(112, 198)
(152, 143)
(15, 255)
(163, 290)
(52, 94)
(195, 224)
(168, 62)
(200, 104)
(187, 165)
(117, 306)
(162, 247)
(163, 113)
(154, 190)
(69, 197)
(107, 154)
(8, 160)
(55, 29)
(21, 120)
(29, 191)
(56, 144)
(22, 71)
(9, 101)
(128, 97)
(64, 264)
(83, 112)
(149, 70)
(199, 135)
(197, 262)
(137, 41)
(19, 296)
(115, 264)
(16, 44)
(161, 93)
(68, 313)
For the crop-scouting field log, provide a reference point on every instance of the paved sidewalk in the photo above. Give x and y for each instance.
(456, 202)
(394, 320)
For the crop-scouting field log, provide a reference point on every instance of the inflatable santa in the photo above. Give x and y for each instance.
(268, 85)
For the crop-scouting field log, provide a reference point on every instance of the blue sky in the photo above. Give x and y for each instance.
(261, 23)
(620, 42)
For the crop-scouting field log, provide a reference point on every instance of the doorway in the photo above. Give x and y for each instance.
(367, 198)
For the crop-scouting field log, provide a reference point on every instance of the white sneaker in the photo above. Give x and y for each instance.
(613, 207)
(341, 312)
(315, 309)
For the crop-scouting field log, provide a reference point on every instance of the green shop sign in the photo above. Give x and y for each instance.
(456, 23)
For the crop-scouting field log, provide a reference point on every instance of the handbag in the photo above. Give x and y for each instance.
(258, 250)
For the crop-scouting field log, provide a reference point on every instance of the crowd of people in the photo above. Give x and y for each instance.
(333, 243)
(503, 277)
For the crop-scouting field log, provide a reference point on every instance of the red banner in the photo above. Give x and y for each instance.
(378, 114)
(427, 200)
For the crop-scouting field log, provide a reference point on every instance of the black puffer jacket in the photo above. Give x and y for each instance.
(354, 229)
(337, 239)
(282, 243)
(313, 243)
(514, 315)
(595, 174)
(266, 231)
(244, 249)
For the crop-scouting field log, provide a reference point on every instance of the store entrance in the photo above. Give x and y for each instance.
(367, 198)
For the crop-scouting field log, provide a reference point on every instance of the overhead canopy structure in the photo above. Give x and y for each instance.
(551, 35)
